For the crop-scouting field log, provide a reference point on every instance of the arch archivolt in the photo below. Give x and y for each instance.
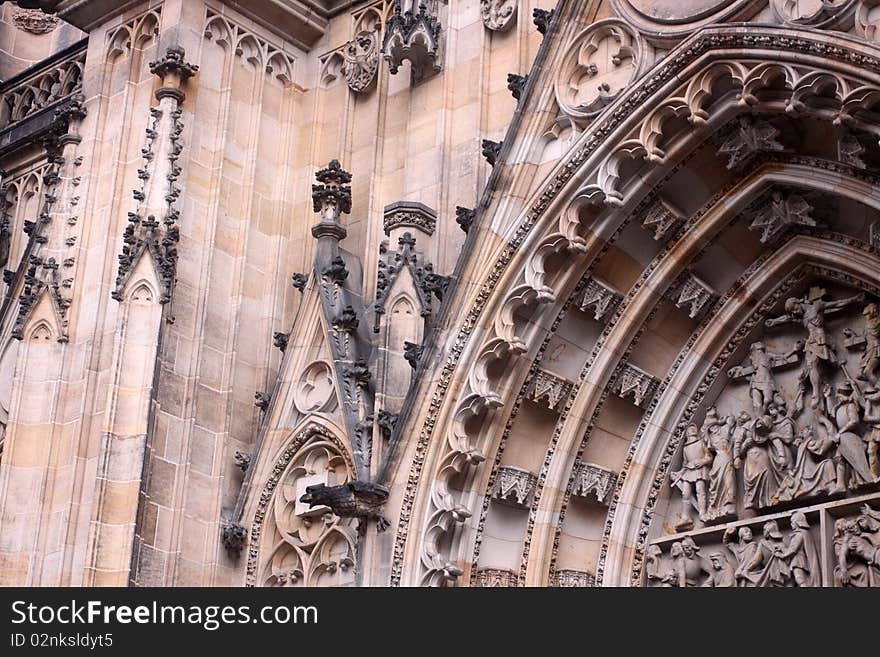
(653, 134)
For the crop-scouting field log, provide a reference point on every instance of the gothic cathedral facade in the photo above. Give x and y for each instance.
(440, 293)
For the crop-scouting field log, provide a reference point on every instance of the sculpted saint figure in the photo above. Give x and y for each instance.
(871, 417)
(744, 551)
(768, 564)
(857, 548)
(693, 477)
(782, 433)
(818, 468)
(762, 385)
(870, 360)
(844, 410)
(656, 574)
(801, 553)
(721, 573)
(751, 452)
(722, 476)
(811, 313)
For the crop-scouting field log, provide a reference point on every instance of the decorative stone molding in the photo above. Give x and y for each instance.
(390, 265)
(662, 218)
(850, 150)
(495, 578)
(279, 339)
(262, 400)
(747, 137)
(548, 389)
(781, 211)
(599, 298)
(632, 381)
(573, 579)
(414, 36)
(314, 391)
(409, 214)
(514, 486)
(299, 281)
(34, 21)
(158, 191)
(233, 537)
(497, 14)
(387, 421)
(361, 61)
(592, 478)
(691, 292)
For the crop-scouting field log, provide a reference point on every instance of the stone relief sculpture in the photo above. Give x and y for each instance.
(361, 61)
(497, 14)
(769, 450)
(857, 549)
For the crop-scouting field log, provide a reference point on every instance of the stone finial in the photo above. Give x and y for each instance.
(331, 198)
(464, 217)
(516, 84)
(173, 70)
(542, 18)
(496, 578)
(491, 150)
(336, 271)
(234, 537)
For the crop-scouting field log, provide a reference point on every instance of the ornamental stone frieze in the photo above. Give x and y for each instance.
(571, 579)
(413, 34)
(514, 486)
(661, 218)
(495, 578)
(548, 389)
(590, 478)
(780, 211)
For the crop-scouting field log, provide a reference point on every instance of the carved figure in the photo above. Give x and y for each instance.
(801, 553)
(688, 566)
(722, 476)
(844, 409)
(721, 574)
(752, 453)
(693, 477)
(818, 468)
(774, 570)
(857, 548)
(762, 385)
(811, 312)
(744, 551)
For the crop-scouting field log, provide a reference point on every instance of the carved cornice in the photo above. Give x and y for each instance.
(409, 214)
(573, 579)
(414, 37)
(495, 578)
(514, 486)
(591, 478)
(549, 389)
